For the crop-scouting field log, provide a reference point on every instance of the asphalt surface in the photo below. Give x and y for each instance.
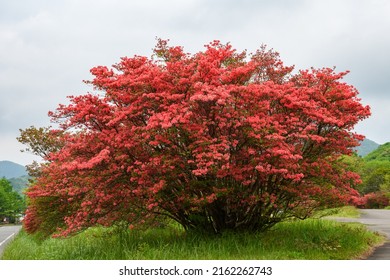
(376, 220)
(7, 233)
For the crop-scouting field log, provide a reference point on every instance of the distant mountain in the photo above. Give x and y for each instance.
(366, 147)
(380, 154)
(9, 169)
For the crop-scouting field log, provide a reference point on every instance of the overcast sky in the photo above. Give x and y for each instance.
(47, 47)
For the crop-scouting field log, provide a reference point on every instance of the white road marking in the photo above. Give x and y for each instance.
(1, 243)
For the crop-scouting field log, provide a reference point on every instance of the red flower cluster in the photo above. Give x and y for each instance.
(371, 200)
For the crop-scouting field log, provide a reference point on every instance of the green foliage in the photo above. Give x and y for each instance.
(345, 212)
(11, 203)
(385, 186)
(40, 141)
(309, 239)
(374, 171)
(373, 175)
(380, 154)
(19, 184)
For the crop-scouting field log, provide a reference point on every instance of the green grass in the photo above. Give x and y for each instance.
(309, 239)
(345, 212)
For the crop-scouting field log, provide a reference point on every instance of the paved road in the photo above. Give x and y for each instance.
(376, 220)
(6, 235)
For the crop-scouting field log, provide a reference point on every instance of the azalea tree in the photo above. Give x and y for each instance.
(219, 140)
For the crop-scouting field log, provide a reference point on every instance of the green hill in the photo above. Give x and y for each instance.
(366, 147)
(19, 184)
(380, 154)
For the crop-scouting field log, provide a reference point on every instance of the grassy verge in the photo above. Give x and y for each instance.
(309, 239)
(344, 212)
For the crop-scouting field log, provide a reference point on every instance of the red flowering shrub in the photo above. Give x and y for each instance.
(217, 140)
(374, 200)
(358, 201)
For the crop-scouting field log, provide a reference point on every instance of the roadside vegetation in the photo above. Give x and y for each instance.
(11, 203)
(374, 171)
(344, 212)
(312, 239)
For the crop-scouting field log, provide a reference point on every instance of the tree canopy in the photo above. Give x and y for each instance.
(11, 203)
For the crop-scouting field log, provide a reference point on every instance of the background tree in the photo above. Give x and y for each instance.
(373, 175)
(216, 141)
(374, 170)
(385, 186)
(11, 203)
